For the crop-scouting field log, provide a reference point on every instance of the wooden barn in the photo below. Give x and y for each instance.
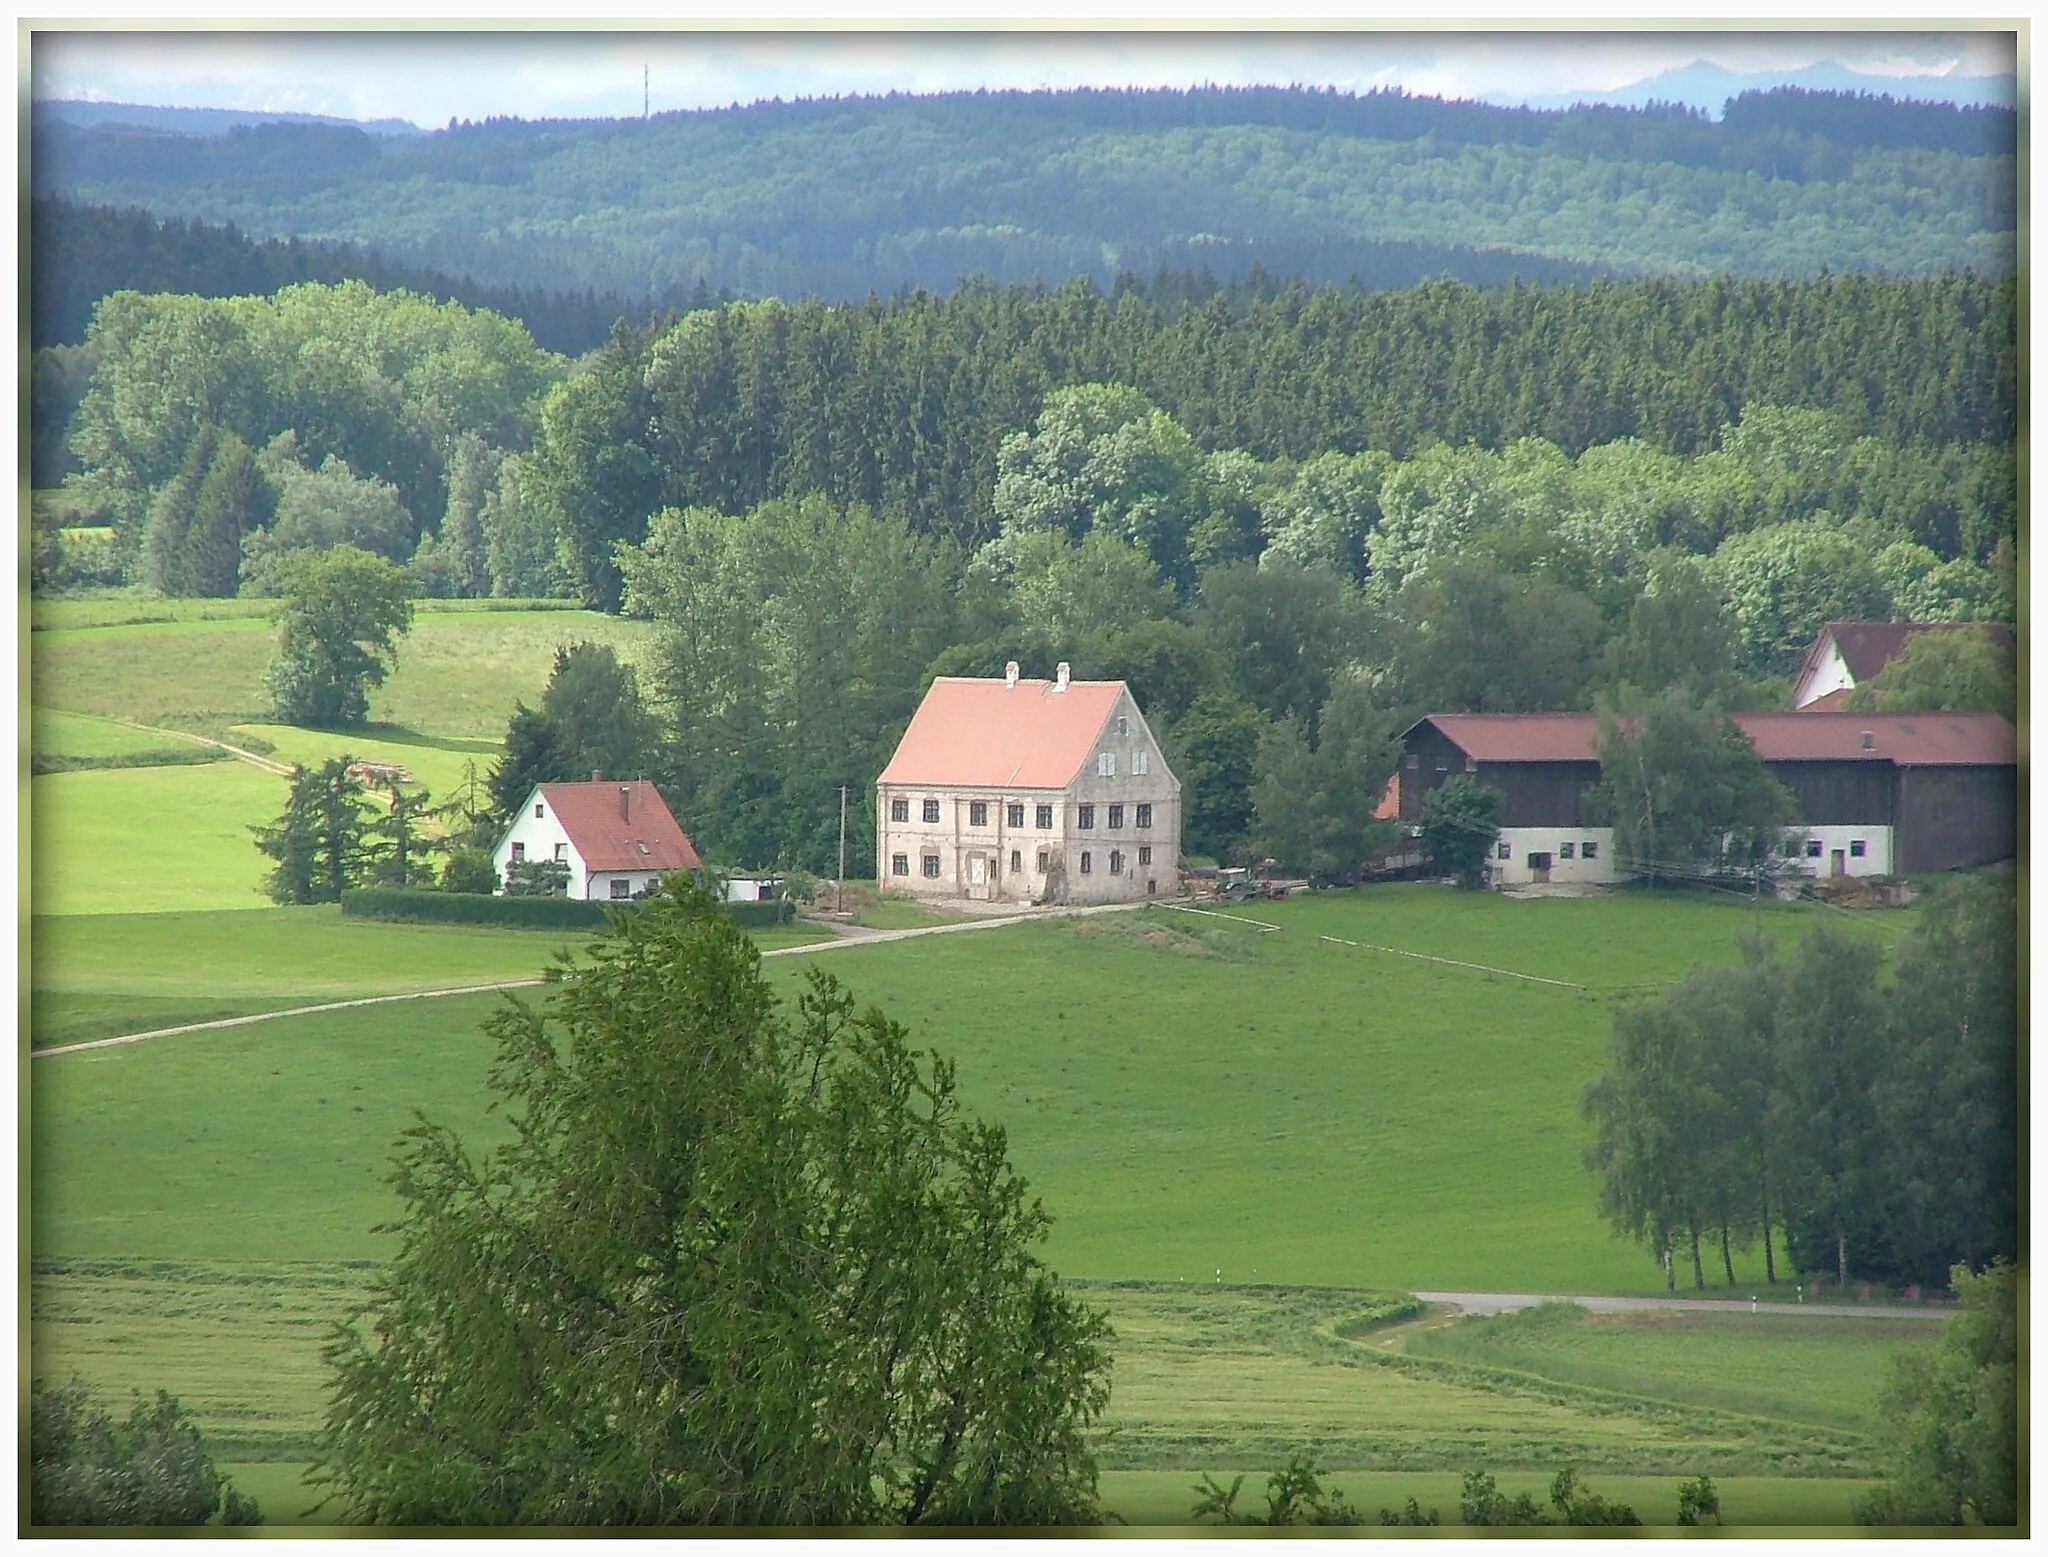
(1879, 794)
(1849, 653)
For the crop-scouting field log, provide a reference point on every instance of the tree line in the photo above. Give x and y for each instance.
(839, 198)
(1869, 1112)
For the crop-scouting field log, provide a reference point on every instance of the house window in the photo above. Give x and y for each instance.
(1144, 854)
(1412, 762)
(518, 852)
(1116, 862)
(1565, 851)
(1589, 850)
(1044, 817)
(539, 811)
(1105, 764)
(1141, 763)
(1855, 848)
(899, 810)
(1116, 816)
(1471, 764)
(1504, 850)
(622, 886)
(1145, 813)
(1044, 861)
(1016, 861)
(1087, 863)
(1086, 818)
(931, 810)
(1015, 815)
(899, 864)
(561, 851)
(1123, 725)
(977, 813)
(931, 865)
(1813, 848)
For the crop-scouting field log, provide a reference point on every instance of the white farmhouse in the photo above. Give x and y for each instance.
(1023, 791)
(616, 838)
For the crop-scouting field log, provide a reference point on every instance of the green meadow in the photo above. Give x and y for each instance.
(1250, 1127)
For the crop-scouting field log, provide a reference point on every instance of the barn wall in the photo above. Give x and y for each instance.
(1430, 758)
(1954, 817)
(1541, 794)
(1845, 794)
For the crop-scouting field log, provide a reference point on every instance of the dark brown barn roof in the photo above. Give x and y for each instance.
(1910, 740)
(623, 825)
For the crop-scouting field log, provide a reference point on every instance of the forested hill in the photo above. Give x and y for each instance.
(840, 197)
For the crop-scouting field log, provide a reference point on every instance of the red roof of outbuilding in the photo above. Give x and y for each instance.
(1867, 647)
(1910, 740)
(981, 731)
(620, 825)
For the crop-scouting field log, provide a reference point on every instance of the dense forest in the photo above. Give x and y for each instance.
(840, 197)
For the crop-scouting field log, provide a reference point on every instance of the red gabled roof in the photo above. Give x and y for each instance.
(1867, 647)
(1910, 740)
(980, 731)
(620, 825)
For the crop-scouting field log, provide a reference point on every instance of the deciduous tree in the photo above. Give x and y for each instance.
(341, 610)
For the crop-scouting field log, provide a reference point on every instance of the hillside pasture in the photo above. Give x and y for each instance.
(150, 840)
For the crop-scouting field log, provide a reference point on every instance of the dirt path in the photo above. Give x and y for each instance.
(1508, 1302)
(850, 936)
(267, 764)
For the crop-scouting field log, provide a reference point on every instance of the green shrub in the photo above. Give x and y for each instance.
(755, 916)
(469, 870)
(423, 907)
(85, 1468)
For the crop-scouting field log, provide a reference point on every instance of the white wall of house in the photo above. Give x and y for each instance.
(1533, 856)
(537, 835)
(1839, 851)
(1831, 674)
(988, 845)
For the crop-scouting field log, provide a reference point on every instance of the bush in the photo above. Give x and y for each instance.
(524, 913)
(87, 1469)
(470, 870)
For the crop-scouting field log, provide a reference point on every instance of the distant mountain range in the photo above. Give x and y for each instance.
(1708, 87)
(197, 121)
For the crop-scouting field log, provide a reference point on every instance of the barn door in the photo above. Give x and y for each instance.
(1837, 863)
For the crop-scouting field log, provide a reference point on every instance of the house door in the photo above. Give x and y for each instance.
(977, 875)
(1836, 862)
(1539, 867)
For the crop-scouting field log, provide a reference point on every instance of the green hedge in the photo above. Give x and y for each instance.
(526, 913)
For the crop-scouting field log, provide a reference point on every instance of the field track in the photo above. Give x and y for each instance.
(1508, 1302)
(847, 937)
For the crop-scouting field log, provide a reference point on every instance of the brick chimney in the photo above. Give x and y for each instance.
(1062, 672)
(626, 802)
(597, 775)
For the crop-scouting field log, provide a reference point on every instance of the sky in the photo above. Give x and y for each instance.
(429, 77)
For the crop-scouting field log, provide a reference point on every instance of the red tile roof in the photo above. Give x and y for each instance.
(982, 732)
(1867, 647)
(1910, 740)
(620, 825)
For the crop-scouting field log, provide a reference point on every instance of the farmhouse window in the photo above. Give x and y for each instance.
(1016, 861)
(1116, 816)
(1855, 848)
(1145, 813)
(1141, 763)
(518, 852)
(977, 813)
(1087, 863)
(1044, 861)
(561, 851)
(1123, 725)
(1144, 854)
(931, 865)
(1086, 818)
(1015, 815)
(539, 811)
(1506, 851)
(1471, 764)
(1413, 762)
(1105, 764)
(931, 810)
(899, 810)
(1813, 848)
(1565, 851)
(1589, 850)
(622, 886)
(899, 864)
(1116, 862)
(1044, 816)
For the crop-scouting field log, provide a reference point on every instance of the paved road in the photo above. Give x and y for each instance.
(1507, 1302)
(850, 936)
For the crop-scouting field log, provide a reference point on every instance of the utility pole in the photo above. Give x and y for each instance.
(840, 908)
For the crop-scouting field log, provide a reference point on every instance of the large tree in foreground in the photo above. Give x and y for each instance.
(733, 1267)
